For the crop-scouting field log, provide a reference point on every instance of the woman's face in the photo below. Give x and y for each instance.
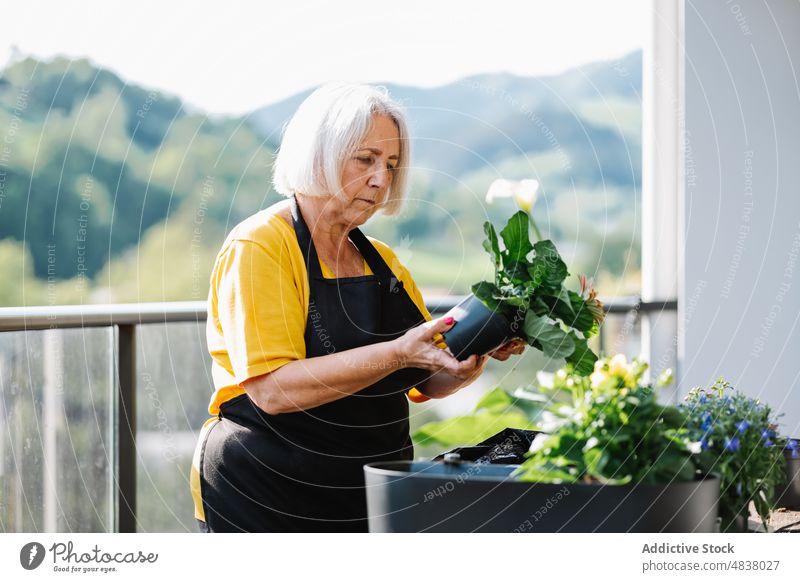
(367, 173)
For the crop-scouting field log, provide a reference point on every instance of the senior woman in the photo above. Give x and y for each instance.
(318, 334)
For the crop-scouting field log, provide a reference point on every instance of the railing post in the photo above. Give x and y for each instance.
(125, 501)
(52, 424)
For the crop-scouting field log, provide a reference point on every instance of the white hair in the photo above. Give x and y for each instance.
(326, 129)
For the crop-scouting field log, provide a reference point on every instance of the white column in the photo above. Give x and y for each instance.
(741, 274)
(662, 180)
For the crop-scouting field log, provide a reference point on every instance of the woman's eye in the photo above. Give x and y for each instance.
(368, 161)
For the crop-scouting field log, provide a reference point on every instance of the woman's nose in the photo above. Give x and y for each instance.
(379, 178)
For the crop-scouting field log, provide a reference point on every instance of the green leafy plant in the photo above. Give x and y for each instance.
(737, 440)
(528, 287)
(610, 429)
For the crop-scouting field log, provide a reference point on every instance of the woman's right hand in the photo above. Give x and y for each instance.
(417, 349)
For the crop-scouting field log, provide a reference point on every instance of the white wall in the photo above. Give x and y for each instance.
(740, 289)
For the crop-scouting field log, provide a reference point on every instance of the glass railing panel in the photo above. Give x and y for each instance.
(173, 382)
(56, 442)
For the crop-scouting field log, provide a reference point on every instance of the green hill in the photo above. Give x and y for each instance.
(95, 164)
(114, 192)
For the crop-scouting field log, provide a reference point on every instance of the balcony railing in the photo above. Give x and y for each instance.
(124, 321)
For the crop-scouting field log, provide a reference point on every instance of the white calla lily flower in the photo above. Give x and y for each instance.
(523, 192)
(500, 189)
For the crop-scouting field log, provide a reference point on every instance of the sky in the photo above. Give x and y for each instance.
(233, 56)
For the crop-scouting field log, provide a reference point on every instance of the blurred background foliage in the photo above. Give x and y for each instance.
(111, 192)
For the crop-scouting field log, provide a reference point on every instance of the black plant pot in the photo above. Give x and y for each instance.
(788, 493)
(478, 329)
(407, 496)
(507, 447)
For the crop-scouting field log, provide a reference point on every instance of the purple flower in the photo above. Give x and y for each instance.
(742, 426)
(767, 434)
(732, 444)
(768, 443)
(792, 446)
(704, 443)
(706, 422)
(703, 399)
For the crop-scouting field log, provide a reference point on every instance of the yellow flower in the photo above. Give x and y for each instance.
(665, 378)
(523, 192)
(618, 366)
(598, 377)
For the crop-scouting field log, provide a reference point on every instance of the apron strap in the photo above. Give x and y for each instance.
(366, 248)
(305, 241)
(371, 255)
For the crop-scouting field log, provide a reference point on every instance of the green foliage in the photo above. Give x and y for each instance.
(16, 259)
(553, 341)
(571, 308)
(609, 428)
(488, 293)
(516, 239)
(738, 441)
(548, 263)
(171, 263)
(491, 243)
(582, 359)
(81, 198)
(528, 290)
(495, 411)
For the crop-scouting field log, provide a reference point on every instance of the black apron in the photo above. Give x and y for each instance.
(303, 471)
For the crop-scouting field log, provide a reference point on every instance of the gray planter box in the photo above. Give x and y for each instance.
(408, 496)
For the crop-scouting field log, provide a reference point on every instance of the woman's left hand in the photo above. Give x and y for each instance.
(513, 348)
(443, 384)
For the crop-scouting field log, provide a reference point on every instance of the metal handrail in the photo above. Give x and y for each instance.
(78, 316)
(70, 316)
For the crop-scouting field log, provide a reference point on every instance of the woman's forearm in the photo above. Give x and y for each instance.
(308, 383)
(305, 384)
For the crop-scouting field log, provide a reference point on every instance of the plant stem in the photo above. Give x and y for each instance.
(535, 228)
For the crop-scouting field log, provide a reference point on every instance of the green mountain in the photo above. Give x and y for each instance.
(590, 115)
(94, 163)
(114, 192)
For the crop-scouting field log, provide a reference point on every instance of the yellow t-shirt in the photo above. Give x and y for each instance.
(258, 302)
